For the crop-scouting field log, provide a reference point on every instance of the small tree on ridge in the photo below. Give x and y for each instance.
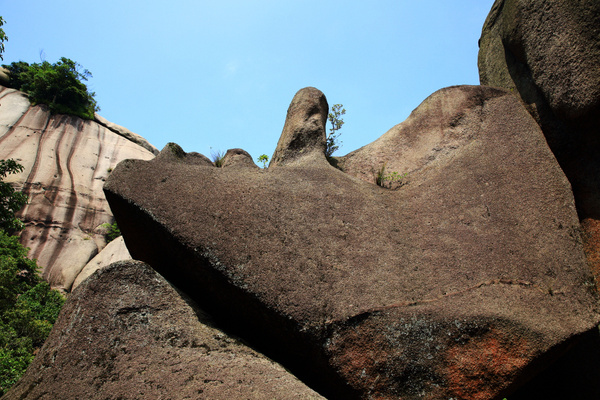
(333, 142)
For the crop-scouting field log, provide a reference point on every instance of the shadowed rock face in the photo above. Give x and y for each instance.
(125, 333)
(548, 53)
(66, 161)
(463, 283)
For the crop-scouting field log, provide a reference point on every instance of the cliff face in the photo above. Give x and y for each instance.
(66, 162)
(548, 54)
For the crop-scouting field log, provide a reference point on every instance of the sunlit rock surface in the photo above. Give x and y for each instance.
(113, 252)
(66, 160)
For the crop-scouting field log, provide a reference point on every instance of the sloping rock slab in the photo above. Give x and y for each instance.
(113, 252)
(462, 283)
(125, 333)
(548, 53)
(66, 160)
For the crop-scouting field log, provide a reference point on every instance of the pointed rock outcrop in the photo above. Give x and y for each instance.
(303, 139)
(238, 158)
(431, 290)
(125, 333)
(66, 160)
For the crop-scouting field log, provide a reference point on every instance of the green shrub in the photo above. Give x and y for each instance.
(3, 38)
(217, 157)
(112, 231)
(28, 310)
(11, 201)
(336, 120)
(60, 86)
(389, 179)
(263, 158)
(28, 307)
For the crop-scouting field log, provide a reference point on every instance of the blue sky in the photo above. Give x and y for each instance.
(221, 74)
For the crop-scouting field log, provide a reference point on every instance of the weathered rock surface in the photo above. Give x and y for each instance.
(303, 136)
(113, 252)
(548, 53)
(125, 333)
(463, 283)
(174, 153)
(66, 161)
(126, 133)
(551, 49)
(238, 158)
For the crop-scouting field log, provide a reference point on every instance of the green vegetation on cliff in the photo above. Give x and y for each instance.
(11, 201)
(28, 307)
(336, 120)
(3, 38)
(60, 86)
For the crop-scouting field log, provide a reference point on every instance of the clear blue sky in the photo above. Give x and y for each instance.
(221, 74)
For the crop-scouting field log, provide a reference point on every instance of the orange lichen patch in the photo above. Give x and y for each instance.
(478, 369)
(591, 245)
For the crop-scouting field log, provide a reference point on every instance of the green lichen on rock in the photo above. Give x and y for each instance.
(176, 150)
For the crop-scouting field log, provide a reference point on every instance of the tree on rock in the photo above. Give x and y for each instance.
(60, 86)
(11, 201)
(333, 142)
(3, 38)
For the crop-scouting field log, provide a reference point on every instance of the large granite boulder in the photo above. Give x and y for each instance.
(546, 49)
(125, 333)
(464, 282)
(66, 161)
(548, 53)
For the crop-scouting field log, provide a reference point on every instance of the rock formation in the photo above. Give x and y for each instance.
(443, 260)
(238, 157)
(113, 252)
(125, 333)
(66, 161)
(303, 134)
(464, 282)
(548, 53)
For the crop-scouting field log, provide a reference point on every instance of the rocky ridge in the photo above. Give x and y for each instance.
(463, 277)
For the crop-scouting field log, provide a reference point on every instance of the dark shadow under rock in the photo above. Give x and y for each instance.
(576, 375)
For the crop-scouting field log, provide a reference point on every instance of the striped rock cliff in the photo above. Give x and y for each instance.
(66, 160)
